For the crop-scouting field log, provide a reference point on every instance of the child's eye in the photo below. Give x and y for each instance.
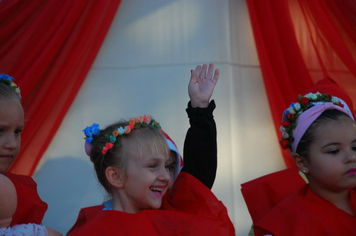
(18, 131)
(1, 131)
(333, 151)
(170, 167)
(354, 148)
(152, 166)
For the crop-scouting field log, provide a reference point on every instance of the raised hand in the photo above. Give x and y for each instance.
(202, 84)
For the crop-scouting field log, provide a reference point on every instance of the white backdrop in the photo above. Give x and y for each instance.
(144, 67)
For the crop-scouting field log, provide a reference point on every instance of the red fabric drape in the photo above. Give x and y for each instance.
(48, 46)
(300, 42)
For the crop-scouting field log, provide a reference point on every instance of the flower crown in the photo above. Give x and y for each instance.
(114, 137)
(8, 80)
(291, 114)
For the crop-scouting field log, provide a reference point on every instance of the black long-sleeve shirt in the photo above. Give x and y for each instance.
(200, 145)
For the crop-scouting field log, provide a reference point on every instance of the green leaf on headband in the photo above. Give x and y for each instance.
(118, 142)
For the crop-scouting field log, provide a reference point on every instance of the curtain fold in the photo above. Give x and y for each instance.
(48, 46)
(300, 42)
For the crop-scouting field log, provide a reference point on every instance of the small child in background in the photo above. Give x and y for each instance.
(320, 132)
(140, 159)
(30, 208)
(8, 205)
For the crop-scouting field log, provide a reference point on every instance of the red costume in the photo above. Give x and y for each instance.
(263, 193)
(189, 208)
(281, 204)
(30, 207)
(306, 213)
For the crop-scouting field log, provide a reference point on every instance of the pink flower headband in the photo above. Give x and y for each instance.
(303, 112)
(8, 80)
(114, 138)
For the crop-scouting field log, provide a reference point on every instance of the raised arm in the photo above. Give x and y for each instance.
(200, 146)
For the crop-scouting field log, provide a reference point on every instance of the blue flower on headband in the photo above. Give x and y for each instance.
(89, 139)
(87, 131)
(91, 131)
(95, 129)
(6, 77)
(8, 80)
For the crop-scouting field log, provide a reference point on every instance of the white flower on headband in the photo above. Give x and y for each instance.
(335, 100)
(291, 110)
(290, 116)
(297, 106)
(311, 96)
(114, 137)
(121, 130)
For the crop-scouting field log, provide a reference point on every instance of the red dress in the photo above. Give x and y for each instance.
(30, 207)
(189, 208)
(263, 193)
(306, 213)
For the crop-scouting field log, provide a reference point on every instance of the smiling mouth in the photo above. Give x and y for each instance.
(157, 191)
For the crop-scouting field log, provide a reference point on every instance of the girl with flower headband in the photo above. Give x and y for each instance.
(320, 132)
(30, 209)
(160, 207)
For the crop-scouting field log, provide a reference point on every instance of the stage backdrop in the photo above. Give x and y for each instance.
(143, 67)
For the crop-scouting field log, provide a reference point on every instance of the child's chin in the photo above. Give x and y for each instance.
(156, 205)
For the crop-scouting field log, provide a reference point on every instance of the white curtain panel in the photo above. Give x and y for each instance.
(144, 67)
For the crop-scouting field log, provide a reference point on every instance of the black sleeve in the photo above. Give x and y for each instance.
(200, 147)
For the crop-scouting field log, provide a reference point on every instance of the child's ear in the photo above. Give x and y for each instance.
(115, 176)
(301, 163)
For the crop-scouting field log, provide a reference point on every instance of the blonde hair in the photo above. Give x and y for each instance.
(142, 140)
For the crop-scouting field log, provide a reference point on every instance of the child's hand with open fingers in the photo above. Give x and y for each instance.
(202, 84)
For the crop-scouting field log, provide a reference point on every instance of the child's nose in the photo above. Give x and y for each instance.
(351, 157)
(164, 174)
(11, 141)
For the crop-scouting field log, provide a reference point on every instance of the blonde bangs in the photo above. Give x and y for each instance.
(145, 140)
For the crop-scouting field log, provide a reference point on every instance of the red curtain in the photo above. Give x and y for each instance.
(48, 46)
(300, 42)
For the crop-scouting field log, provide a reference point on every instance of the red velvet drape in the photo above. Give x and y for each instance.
(48, 46)
(300, 42)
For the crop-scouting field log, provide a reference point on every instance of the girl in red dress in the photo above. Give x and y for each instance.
(135, 164)
(320, 132)
(30, 208)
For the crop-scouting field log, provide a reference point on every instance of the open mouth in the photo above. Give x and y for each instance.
(157, 191)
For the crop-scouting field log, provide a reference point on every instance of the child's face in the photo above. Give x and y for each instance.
(332, 156)
(147, 179)
(11, 125)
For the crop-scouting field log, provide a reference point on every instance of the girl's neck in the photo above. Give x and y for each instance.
(121, 203)
(341, 199)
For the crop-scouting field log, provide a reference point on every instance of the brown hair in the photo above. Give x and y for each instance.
(308, 137)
